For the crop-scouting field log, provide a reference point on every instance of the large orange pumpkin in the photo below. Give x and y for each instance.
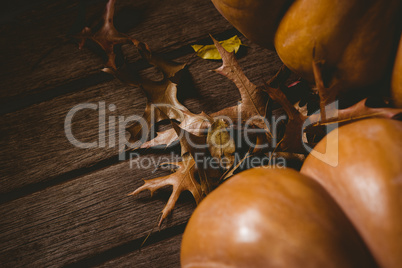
(366, 182)
(396, 85)
(355, 40)
(258, 20)
(347, 215)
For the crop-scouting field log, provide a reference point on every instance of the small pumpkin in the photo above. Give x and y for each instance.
(366, 182)
(355, 40)
(396, 87)
(258, 20)
(271, 218)
(349, 215)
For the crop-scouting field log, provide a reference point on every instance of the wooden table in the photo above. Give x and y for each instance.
(67, 206)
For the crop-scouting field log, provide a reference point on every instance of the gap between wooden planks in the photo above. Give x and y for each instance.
(85, 216)
(35, 148)
(163, 251)
(77, 209)
(165, 25)
(80, 219)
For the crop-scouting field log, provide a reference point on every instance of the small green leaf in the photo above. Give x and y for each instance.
(209, 52)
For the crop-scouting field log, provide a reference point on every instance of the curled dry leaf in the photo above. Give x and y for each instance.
(253, 99)
(292, 138)
(196, 124)
(162, 93)
(329, 114)
(355, 112)
(221, 145)
(107, 36)
(161, 96)
(252, 105)
(196, 147)
(168, 68)
(182, 180)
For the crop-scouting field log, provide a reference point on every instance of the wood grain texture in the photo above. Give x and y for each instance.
(84, 217)
(164, 25)
(161, 254)
(65, 206)
(34, 145)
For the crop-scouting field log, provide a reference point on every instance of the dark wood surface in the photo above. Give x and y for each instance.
(67, 206)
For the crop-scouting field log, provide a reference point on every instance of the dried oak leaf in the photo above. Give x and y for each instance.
(253, 99)
(196, 147)
(292, 140)
(221, 145)
(182, 180)
(342, 116)
(196, 124)
(107, 37)
(161, 96)
(253, 102)
(355, 112)
(168, 68)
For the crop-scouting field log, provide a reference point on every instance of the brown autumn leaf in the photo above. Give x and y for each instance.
(161, 95)
(253, 99)
(253, 102)
(161, 98)
(196, 146)
(168, 68)
(355, 112)
(221, 145)
(194, 156)
(196, 124)
(329, 114)
(182, 180)
(292, 140)
(107, 37)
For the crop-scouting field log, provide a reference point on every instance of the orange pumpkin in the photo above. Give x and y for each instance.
(396, 87)
(355, 40)
(258, 20)
(366, 182)
(349, 215)
(271, 218)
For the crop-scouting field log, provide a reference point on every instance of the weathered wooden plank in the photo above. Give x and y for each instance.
(34, 145)
(63, 215)
(165, 253)
(37, 31)
(75, 221)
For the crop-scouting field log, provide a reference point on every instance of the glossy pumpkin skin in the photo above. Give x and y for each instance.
(355, 40)
(367, 182)
(271, 218)
(255, 19)
(396, 84)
